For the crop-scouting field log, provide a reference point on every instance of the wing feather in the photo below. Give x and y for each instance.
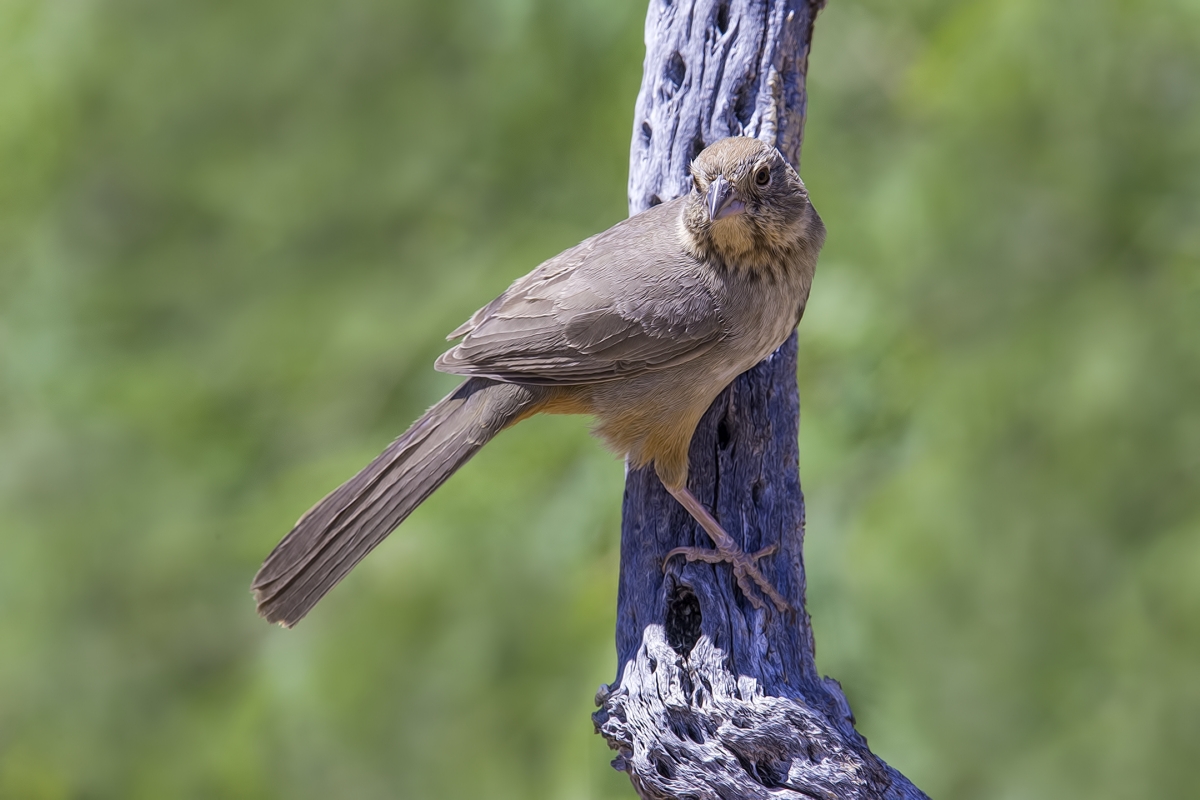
(626, 301)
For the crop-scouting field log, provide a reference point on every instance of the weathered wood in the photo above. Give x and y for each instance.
(713, 698)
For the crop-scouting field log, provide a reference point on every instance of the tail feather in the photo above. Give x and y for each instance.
(340, 530)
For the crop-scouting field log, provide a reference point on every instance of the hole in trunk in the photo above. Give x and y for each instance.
(683, 620)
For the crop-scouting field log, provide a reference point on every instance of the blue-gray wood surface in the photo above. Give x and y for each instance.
(714, 698)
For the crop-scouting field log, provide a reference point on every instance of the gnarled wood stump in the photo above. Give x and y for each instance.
(714, 698)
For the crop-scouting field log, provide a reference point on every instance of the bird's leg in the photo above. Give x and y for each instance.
(743, 564)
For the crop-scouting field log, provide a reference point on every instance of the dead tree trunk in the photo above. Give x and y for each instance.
(713, 698)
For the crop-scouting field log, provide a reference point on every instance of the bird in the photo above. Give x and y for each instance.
(640, 326)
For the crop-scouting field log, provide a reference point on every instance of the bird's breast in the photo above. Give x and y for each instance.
(760, 315)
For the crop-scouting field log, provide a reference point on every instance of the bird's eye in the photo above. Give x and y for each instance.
(762, 176)
(696, 183)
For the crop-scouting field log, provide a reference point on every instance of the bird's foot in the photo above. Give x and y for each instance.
(727, 550)
(744, 569)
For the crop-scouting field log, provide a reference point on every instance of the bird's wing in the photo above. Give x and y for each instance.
(628, 300)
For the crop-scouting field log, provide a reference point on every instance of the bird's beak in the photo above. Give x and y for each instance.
(722, 201)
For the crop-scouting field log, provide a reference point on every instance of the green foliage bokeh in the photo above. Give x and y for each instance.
(232, 236)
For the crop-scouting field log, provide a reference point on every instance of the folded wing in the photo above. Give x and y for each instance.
(626, 301)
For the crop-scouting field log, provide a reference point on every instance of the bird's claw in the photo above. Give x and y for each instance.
(744, 569)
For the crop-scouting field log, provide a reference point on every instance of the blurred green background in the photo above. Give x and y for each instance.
(232, 235)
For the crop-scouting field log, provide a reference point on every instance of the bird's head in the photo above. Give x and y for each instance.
(748, 207)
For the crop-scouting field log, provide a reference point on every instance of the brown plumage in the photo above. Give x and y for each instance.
(640, 326)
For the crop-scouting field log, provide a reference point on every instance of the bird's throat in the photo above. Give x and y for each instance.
(733, 237)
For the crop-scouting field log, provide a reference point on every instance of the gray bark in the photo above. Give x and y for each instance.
(714, 698)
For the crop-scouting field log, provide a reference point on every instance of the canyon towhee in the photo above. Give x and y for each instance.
(640, 326)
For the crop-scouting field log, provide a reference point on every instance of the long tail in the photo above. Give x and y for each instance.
(341, 529)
